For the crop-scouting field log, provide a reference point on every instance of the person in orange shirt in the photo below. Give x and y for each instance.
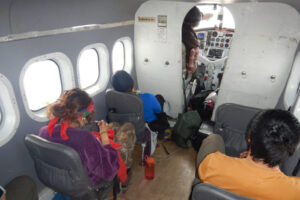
(273, 136)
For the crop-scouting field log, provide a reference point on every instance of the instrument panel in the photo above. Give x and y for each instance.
(215, 44)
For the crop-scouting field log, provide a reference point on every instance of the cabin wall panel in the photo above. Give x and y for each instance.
(14, 156)
(155, 46)
(4, 17)
(37, 15)
(263, 46)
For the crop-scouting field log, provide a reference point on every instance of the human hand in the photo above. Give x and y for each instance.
(103, 126)
(207, 16)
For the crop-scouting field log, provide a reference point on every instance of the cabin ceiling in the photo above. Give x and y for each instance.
(19, 16)
(293, 3)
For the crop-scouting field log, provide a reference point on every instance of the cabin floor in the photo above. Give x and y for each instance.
(174, 174)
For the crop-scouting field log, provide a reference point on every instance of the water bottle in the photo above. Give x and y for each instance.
(149, 168)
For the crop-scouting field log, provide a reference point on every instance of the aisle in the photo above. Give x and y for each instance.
(174, 174)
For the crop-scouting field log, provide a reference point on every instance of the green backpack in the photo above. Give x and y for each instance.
(186, 124)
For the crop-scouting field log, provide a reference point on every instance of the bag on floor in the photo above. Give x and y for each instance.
(196, 140)
(186, 124)
(198, 103)
(151, 141)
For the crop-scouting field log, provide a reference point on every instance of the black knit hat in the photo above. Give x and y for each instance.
(122, 81)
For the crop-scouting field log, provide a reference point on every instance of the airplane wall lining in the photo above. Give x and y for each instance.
(89, 27)
(279, 37)
(14, 55)
(18, 16)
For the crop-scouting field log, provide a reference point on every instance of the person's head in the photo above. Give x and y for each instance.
(74, 105)
(193, 17)
(122, 81)
(273, 136)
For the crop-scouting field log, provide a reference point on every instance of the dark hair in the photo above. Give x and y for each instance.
(274, 135)
(69, 104)
(193, 17)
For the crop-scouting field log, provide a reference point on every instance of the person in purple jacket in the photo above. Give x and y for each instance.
(67, 115)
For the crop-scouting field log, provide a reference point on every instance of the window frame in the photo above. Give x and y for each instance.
(66, 75)
(128, 54)
(1, 115)
(78, 71)
(103, 68)
(10, 115)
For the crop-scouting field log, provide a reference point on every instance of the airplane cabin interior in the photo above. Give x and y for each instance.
(248, 61)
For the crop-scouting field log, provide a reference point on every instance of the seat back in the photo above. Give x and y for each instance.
(126, 107)
(60, 168)
(211, 192)
(231, 123)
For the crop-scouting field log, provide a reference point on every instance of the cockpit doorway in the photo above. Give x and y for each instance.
(214, 33)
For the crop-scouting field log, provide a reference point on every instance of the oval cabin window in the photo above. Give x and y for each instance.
(93, 68)
(122, 55)
(42, 81)
(42, 84)
(88, 67)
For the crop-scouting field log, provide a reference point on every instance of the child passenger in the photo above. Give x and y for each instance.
(67, 116)
(123, 82)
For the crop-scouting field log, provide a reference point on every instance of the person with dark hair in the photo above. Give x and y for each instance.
(67, 116)
(273, 136)
(190, 39)
(123, 82)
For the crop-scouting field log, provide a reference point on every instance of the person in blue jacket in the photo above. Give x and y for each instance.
(123, 82)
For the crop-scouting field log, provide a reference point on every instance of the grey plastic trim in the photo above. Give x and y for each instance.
(88, 27)
(11, 116)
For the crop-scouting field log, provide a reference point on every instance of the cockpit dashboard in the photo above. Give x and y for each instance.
(215, 44)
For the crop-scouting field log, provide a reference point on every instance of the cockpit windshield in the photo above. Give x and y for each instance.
(221, 17)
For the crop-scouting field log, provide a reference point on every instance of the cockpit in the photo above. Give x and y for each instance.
(215, 32)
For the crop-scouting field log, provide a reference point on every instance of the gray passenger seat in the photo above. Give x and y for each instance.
(126, 107)
(211, 192)
(291, 167)
(231, 123)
